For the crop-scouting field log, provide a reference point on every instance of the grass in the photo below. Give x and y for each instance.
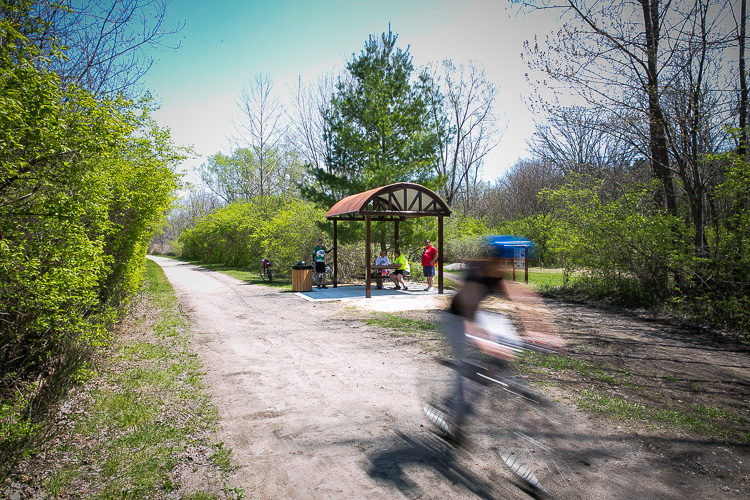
(147, 412)
(697, 418)
(701, 419)
(544, 279)
(531, 362)
(248, 275)
(612, 406)
(403, 325)
(425, 333)
(539, 277)
(449, 283)
(421, 331)
(222, 457)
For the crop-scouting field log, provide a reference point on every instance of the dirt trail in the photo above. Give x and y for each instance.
(316, 404)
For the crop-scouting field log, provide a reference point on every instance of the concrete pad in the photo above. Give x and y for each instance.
(387, 299)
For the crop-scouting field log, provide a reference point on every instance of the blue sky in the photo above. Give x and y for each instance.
(225, 43)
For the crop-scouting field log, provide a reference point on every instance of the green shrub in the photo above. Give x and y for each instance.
(83, 183)
(631, 252)
(628, 250)
(243, 233)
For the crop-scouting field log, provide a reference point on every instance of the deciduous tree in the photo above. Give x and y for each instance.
(657, 67)
(260, 128)
(108, 45)
(309, 106)
(263, 161)
(462, 106)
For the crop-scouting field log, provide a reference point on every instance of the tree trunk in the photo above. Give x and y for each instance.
(658, 136)
(743, 83)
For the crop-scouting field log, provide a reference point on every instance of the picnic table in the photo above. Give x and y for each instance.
(378, 276)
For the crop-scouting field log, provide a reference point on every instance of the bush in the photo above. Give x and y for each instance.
(243, 233)
(462, 237)
(540, 229)
(629, 251)
(83, 183)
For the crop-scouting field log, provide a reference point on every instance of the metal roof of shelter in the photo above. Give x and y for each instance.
(396, 201)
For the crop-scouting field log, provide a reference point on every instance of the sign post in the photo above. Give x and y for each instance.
(521, 262)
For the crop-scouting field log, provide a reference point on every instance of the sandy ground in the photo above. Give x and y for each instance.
(316, 404)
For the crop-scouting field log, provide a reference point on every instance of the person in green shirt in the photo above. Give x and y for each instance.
(397, 276)
(319, 256)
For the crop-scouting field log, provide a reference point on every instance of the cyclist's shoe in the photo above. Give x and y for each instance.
(397, 287)
(405, 288)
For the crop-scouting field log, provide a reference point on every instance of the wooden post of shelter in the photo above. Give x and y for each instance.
(368, 286)
(335, 255)
(440, 254)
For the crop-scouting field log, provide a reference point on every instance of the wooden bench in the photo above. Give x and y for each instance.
(375, 278)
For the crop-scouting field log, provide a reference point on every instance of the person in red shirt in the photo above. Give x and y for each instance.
(429, 258)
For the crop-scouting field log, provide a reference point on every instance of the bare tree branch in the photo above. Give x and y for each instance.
(463, 104)
(110, 45)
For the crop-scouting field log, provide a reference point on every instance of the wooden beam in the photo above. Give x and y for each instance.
(395, 237)
(440, 254)
(335, 255)
(368, 292)
(399, 213)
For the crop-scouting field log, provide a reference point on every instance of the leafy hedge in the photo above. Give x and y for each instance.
(83, 183)
(625, 245)
(283, 230)
(632, 253)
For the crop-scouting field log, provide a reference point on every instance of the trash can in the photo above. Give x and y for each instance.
(302, 277)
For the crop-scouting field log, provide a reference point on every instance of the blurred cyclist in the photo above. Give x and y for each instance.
(485, 275)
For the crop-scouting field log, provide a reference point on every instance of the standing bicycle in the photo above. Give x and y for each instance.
(265, 270)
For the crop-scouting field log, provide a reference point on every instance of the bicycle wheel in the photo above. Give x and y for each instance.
(264, 273)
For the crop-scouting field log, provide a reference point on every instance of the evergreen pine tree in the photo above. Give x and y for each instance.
(379, 129)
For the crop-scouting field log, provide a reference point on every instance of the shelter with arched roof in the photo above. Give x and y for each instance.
(395, 202)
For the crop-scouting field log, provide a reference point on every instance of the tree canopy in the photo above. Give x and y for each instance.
(378, 129)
